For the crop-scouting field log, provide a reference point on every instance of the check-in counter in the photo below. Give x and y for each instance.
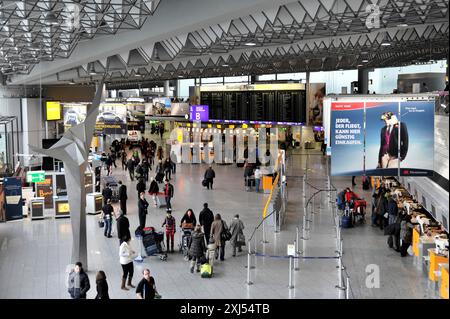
(435, 260)
(415, 242)
(443, 291)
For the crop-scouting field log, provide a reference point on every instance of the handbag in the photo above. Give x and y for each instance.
(225, 235)
(240, 240)
(101, 223)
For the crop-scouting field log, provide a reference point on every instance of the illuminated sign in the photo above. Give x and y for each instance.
(52, 110)
(63, 208)
(35, 176)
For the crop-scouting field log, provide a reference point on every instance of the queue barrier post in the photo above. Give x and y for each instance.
(291, 284)
(249, 282)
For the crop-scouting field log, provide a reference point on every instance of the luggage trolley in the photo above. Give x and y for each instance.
(153, 242)
(186, 234)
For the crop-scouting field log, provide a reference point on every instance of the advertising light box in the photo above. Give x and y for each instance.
(382, 138)
(52, 110)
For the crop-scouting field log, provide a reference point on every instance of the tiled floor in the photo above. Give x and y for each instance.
(34, 254)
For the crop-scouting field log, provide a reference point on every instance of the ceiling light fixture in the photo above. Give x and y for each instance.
(365, 61)
(250, 44)
(402, 25)
(225, 65)
(385, 44)
(92, 70)
(71, 82)
(50, 19)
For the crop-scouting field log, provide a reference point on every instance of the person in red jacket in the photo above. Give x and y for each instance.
(350, 196)
(169, 222)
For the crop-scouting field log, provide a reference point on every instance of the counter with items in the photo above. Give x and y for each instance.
(430, 240)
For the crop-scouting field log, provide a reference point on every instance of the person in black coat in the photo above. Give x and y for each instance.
(209, 177)
(189, 218)
(123, 198)
(102, 285)
(107, 194)
(205, 219)
(140, 186)
(123, 227)
(130, 167)
(196, 247)
(78, 282)
(143, 210)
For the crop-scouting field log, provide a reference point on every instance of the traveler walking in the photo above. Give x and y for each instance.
(168, 194)
(205, 219)
(107, 194)
(146, 289)
(237, 234)
(140, 186)
(102, 285)
(197, 247)
(169, 222)
(143, 210)
(173, 162)
(123, 197)
(145, 169)
(167, 169)
(209, 177)
(258, 176)
(153, 191)
(124, 159)
(78, 282)
(123, 227)
(107, 215)
(131, 166)
(217, 228)
(126, 254)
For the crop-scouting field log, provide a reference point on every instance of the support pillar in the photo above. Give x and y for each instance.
(166, 88)
(363, 81)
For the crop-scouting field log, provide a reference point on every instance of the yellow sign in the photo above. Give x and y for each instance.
(219, 126)
(53, 110)
(209, 125)
(180, 136)
(230, 126)
(63, 208)
(244, 126)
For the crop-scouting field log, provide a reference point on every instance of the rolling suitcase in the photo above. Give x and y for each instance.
(206, 270)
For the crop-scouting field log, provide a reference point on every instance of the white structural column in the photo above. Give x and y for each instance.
(73, 150)
(166, 88)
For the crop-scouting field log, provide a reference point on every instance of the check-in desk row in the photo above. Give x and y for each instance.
(430, 241)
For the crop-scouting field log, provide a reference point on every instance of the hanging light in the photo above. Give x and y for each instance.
(50, 18)
(92, 69)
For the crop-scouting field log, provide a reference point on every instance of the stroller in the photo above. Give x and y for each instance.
(152, 241)
(185, 239)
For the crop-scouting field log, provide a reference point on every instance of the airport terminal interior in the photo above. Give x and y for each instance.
(210, 149)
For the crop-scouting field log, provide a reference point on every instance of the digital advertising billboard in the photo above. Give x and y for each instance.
(382, 138)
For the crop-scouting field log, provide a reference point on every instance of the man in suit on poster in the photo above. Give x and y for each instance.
(389, 143)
